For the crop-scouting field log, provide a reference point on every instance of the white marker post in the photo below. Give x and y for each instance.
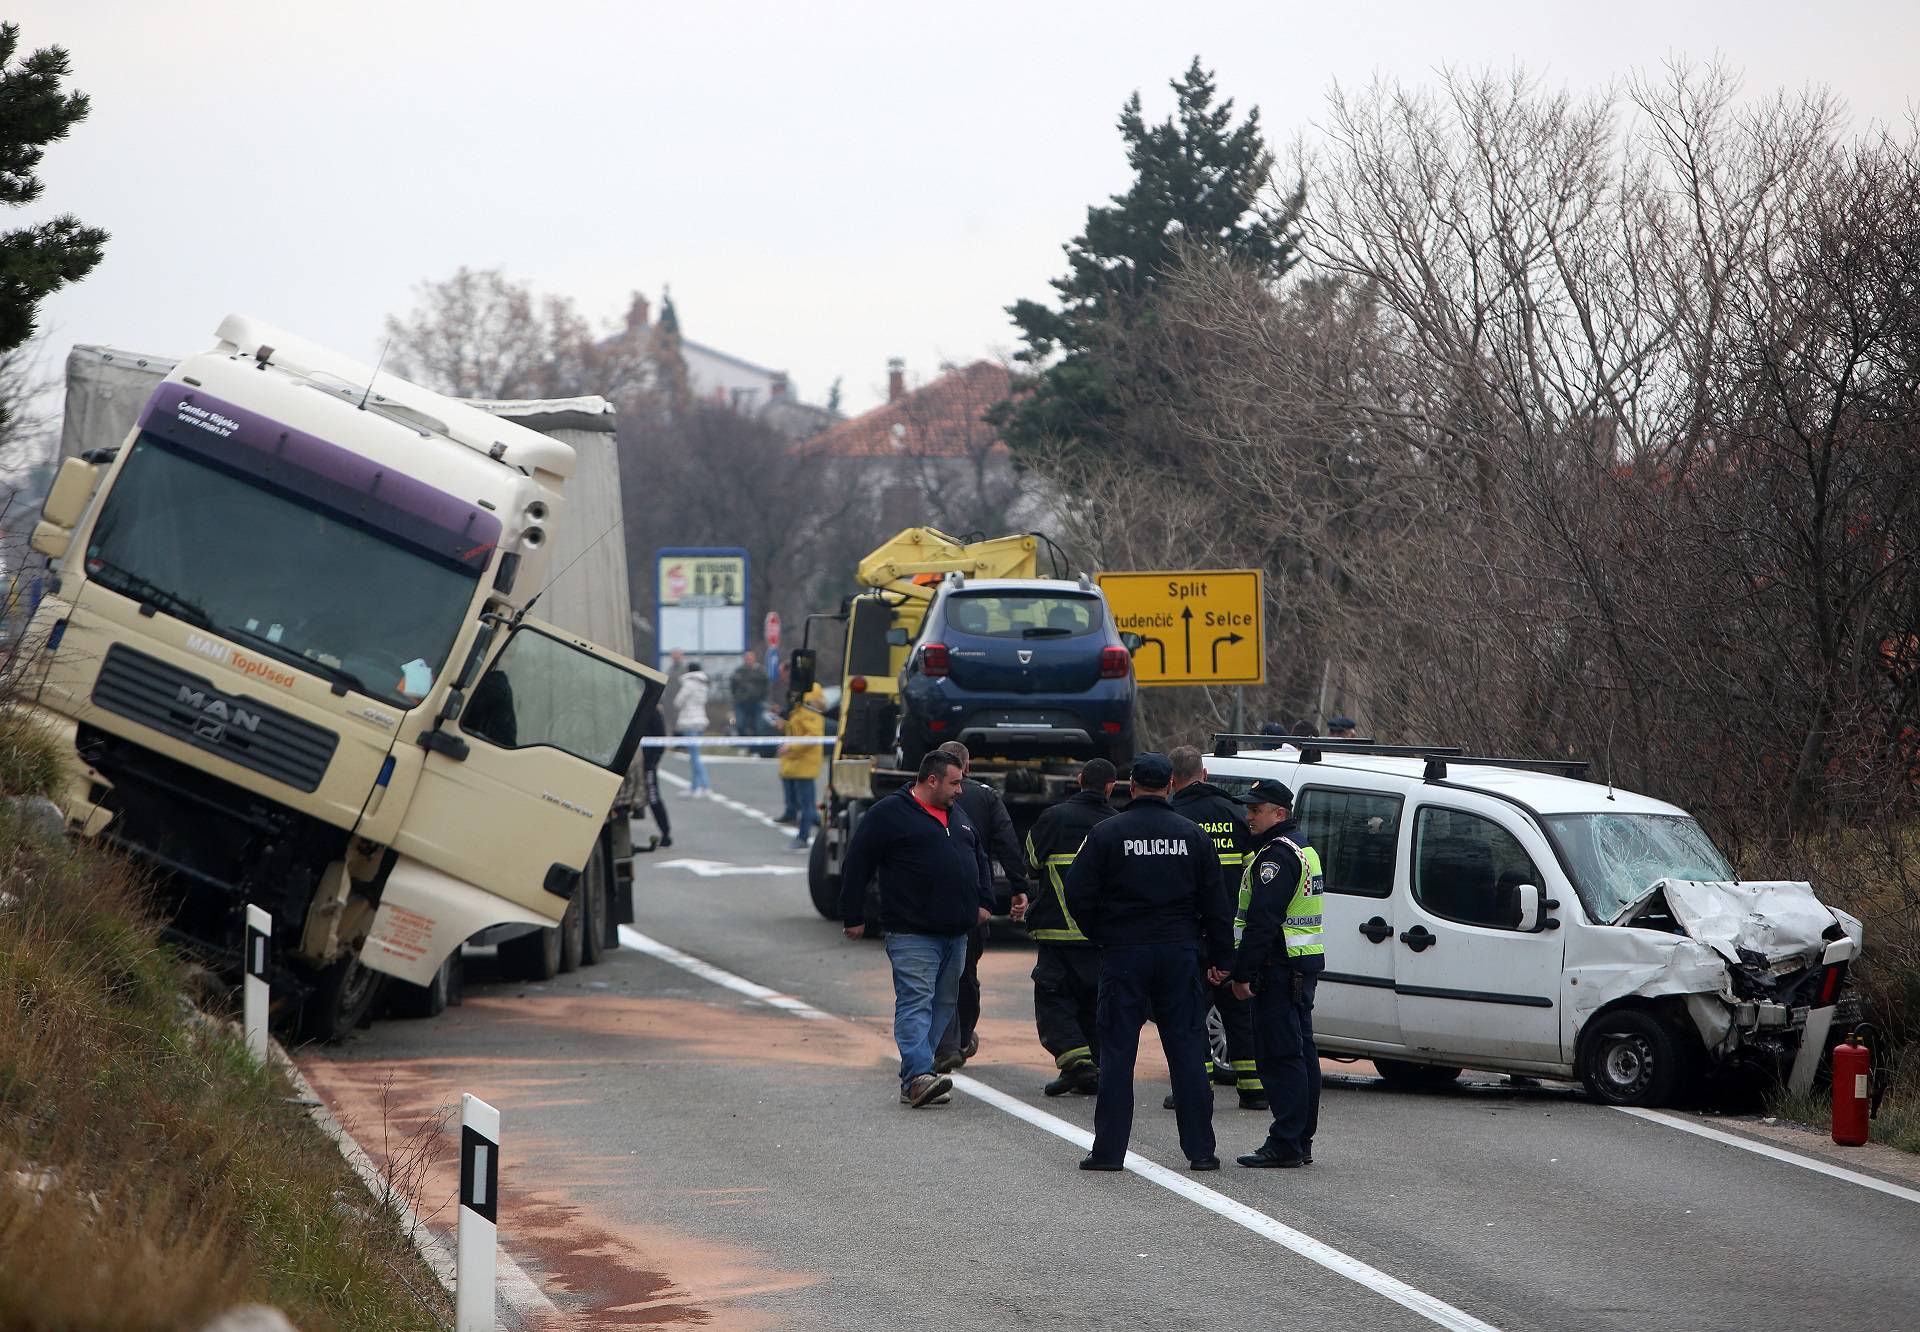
(259, 958)
(473, 1297)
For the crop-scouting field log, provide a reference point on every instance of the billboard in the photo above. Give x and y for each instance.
(700, 601)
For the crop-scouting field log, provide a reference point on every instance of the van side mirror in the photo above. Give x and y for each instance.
(1529, 896)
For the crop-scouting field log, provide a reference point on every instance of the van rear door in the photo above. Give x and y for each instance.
(1469, 983)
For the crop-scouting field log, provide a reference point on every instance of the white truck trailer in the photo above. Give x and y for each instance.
(287, 637)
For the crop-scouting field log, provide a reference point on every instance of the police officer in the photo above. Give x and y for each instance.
(1146, 890)
(1066, 967)
(1278, 956)
(1221, 818)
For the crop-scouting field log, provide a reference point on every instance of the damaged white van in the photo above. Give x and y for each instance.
(1504, 914)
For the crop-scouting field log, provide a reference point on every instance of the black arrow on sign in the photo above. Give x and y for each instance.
(1224, 638)
(1163, 652)
(1186, 615)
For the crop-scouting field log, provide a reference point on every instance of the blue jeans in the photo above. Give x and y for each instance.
(800, 804)
(747, 719)
(700, 782)
(926, 989)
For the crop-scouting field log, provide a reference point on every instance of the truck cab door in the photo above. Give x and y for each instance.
(515, 790)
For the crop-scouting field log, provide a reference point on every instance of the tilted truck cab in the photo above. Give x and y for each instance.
(288, 641)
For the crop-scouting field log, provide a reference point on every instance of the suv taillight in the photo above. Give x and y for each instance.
(933, 659)
(1114, 663)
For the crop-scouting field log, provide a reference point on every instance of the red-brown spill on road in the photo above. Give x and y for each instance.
(684, 1031)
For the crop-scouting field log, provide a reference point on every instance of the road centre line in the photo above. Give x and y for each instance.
(728, 802)
(1776, 1153)
(1340, 1264)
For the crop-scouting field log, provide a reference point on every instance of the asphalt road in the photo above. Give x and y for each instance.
(682, 1146)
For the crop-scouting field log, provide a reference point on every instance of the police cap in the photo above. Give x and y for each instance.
(1268, 791)
(1151, 771)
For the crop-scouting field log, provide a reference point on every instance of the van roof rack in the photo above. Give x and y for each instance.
(1312, 747)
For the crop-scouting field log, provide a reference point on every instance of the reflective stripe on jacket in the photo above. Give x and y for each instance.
(1052, 843)
(1279, 865)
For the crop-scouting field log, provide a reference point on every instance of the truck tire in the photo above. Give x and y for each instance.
(342, 996)
(572, 929)
(1403, 1075)
(406, 1000)
(1630, 1057)
(593, 929)
(822, 887)
(533, 956)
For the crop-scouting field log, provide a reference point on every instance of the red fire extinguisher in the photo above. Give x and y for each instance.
(1852, 1077)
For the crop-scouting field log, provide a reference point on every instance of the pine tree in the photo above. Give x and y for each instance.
(1199, 180)
(38, 260)
(669, 364)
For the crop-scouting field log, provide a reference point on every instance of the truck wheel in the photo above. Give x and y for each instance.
(593, 930)
(1405, 1076)
(407, 1000)
(533, 956)
(572, 929)
(1629, 1057)
(342, 996)
(823, 887)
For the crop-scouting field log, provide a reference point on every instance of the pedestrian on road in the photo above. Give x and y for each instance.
(1221, 818)
(1278, 957)
(654, 726)
(800, 764)
(690, 719)
(1066, 967)
(1146, 890)
(748, 689)
(988, 813)
(935, 886)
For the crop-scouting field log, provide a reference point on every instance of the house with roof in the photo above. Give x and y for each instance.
(939, 461)
(731, 381)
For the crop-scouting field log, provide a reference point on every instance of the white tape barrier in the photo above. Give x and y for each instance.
(750, 741)
(473, 1292)
(259, 958)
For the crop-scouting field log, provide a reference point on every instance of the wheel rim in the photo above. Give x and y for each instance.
(1627, 1064)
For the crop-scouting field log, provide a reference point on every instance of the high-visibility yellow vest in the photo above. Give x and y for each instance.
(1304, 911)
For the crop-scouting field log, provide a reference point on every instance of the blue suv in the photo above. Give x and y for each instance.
(1018, 669)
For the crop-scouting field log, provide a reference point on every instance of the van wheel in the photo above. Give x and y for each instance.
(342, 996)
(823, 887)
(1403, 1075)
(1629, 1057)
(533, 956)
(593, 929)
(1222, 1057)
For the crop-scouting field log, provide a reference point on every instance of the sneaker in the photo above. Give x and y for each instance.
(1205, 1163)
(799, 844)
(946, 1098)
(948, 1060)
(923, 1089)
(1265, 1158)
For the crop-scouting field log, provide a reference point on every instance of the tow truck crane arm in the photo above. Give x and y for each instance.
(913, 561)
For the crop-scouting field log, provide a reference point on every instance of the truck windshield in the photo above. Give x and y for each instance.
(1615, 858)
(267, 564)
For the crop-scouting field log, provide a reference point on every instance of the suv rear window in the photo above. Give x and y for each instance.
(1022, 615)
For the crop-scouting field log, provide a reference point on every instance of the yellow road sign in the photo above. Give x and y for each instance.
(1200, 626)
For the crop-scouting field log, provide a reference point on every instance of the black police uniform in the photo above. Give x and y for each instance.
(988, 813)
(1283, 990)
(1222, 818)
(1146, 889)
(1066, 966)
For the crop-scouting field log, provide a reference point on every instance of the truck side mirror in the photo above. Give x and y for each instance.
(72, 488)
(897, 638)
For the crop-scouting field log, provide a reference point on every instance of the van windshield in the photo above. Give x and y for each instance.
(1615, 858)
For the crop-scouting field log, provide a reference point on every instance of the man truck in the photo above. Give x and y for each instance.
(288, 644)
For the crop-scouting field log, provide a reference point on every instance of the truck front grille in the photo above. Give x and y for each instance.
(186, 707)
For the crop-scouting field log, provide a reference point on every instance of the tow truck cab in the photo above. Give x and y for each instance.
(1503, 914)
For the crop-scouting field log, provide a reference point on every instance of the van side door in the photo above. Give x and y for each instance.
(1357, 836)
(1470, 983)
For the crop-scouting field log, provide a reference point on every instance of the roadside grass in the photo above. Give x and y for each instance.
(1875, 875)
(151, 1174)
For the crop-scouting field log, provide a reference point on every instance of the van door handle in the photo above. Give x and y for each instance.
(1377, 930)
(1418, 939)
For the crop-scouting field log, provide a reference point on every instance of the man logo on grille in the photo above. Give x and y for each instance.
(215, 715)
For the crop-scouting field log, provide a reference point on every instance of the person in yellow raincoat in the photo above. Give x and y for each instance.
(800, 764)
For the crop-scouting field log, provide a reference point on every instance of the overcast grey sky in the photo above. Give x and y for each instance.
(823, 185)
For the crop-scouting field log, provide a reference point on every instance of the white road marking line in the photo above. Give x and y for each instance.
(1777, 1153)
(1408, 1297)
(728, 802)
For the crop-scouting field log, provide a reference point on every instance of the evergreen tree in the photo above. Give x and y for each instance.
(38, 260)
(669, 364)
(1198, 181)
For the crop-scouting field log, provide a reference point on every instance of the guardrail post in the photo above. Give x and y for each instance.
(258, 961)
(479, 1198)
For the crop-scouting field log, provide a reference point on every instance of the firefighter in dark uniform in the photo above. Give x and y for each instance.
(1278, 957)
(1066, 967)
(1221, 818)
(1146, 890)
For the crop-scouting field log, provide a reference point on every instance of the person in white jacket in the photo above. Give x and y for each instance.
(690, 718)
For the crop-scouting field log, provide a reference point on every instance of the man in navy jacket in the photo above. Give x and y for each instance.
(935, 886)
